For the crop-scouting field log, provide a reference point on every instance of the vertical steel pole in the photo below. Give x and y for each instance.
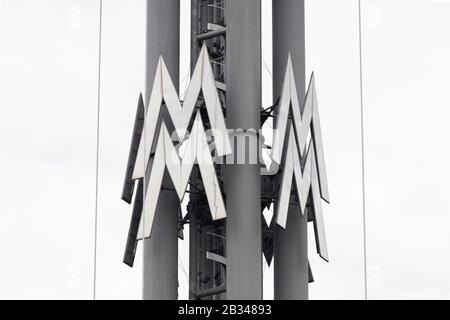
(193, 215)
(195, 26)
(290, 245)
(243, 75)
(160, 274)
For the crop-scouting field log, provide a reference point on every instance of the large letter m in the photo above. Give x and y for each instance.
(303, 162)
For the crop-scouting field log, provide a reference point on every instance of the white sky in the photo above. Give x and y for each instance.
(48, 106)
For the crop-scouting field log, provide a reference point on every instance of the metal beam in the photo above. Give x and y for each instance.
(210, 292)
(160, 274)
(291, 272)
(194, 231)
(243, 182)
(216, 258)
(193, 253)
(195, 27)
(211, 34)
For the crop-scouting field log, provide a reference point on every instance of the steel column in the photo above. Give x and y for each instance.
(193, 215)
(243, 182)
(290, 245)
(195, 26)
(160, 274)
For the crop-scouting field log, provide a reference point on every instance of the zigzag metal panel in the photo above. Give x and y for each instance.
(196, 150)
(289, 105)
(307, 170)
(167, 156)
(181, 115)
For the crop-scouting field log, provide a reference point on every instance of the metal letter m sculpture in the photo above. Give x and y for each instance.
(197, 148)
(305, 163)
(153, 151)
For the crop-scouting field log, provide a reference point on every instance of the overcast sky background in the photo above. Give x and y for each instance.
(48, 109)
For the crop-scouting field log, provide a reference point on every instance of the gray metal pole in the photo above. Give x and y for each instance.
(243, 77)
(290, 245)
(195, 26)
(160, 274)
(193, 215)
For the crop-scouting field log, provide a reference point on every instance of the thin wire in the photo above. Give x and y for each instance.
(98, 146)
(181, 265)
(186, 87)
(267, 68)
(363, 150)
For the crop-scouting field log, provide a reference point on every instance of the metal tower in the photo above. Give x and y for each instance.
(227, 190)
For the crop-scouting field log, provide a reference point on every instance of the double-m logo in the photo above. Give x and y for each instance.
(153, 151)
